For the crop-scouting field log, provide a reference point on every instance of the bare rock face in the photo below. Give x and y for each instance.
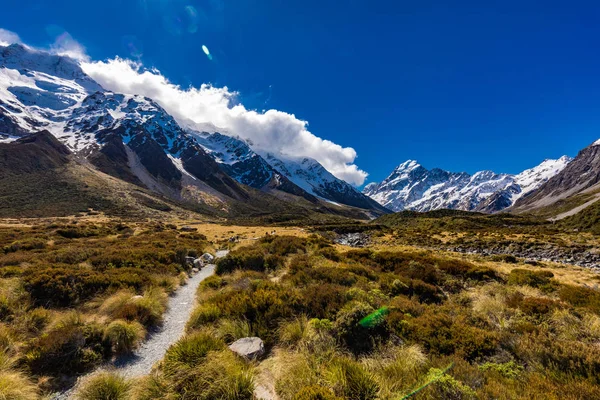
(249, 347)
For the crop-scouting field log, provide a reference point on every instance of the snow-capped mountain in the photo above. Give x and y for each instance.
(579, 179)
(311, 176)
(300, 176)
(235, 156)
(412, 187)
(135, 139)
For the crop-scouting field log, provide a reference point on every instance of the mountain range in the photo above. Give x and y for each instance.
(412, 187)
(134, 139)
(86, 147)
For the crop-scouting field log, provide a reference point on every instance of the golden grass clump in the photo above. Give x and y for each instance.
(105, 386)
(147, 309)
(16, 386)
(124, 336)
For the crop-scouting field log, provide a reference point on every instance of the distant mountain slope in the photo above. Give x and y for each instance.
(40, 178)
(575, 188)
(238, 160)
(412, 187)
(311, 176)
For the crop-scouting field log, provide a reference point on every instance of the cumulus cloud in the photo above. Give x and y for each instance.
(273, 131)
(7, 37)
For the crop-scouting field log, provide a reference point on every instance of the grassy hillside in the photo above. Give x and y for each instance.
(587, 219)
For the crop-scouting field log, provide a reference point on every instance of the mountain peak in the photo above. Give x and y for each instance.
(408, 165)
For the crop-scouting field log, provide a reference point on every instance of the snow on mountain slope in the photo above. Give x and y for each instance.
(38, 90)
(533, 178)
(121, 133)
(311, 176)
(579, 178)
(236, 157)
(413, 187)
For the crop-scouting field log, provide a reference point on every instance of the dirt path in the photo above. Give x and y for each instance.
(181, 305)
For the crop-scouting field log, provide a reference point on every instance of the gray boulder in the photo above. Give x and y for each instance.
(198, 263)
(249, 347)
(207, 258)
(189, 260)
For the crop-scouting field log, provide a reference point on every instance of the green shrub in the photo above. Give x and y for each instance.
(292, 332)
(36, 320)
(203, 314)
(105, 386)
(355, 336)
(231, 330)
(222, 375)
(244, 258)
(443, 334)
(509, 369)
(213, 282)
(147, 309)
(70, 346)
(283, 245)
(25, 245)
(531, 278)
(153, 387)
(331, 254)
(537, 305)
(65, 287)
(447, 387)
(580, 296)
(124, 336)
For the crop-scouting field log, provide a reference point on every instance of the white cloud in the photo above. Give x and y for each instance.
(274, 131)
(65, 45)
(8, 37)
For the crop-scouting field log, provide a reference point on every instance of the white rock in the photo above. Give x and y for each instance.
(248, 347)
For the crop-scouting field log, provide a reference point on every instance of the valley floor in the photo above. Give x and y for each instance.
(403, 316)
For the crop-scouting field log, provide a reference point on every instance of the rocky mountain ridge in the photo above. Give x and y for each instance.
(412, 187)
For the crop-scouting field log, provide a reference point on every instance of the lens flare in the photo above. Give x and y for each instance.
(173, 24)
(133, 46)
(375, 318)
(192, 16)
(205, 50)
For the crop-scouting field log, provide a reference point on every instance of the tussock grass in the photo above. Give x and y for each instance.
(105, 386)
(16, 386)
(230, 330)
(190, 352)
(146, 309)
(123, 336)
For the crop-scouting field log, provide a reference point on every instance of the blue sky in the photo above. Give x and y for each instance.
(461, 85)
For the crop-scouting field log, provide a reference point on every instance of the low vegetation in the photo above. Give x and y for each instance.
(74, 295)
(390, 321)
(363, 324)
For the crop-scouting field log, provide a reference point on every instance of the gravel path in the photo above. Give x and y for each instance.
(153, 350)
(173, 328)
